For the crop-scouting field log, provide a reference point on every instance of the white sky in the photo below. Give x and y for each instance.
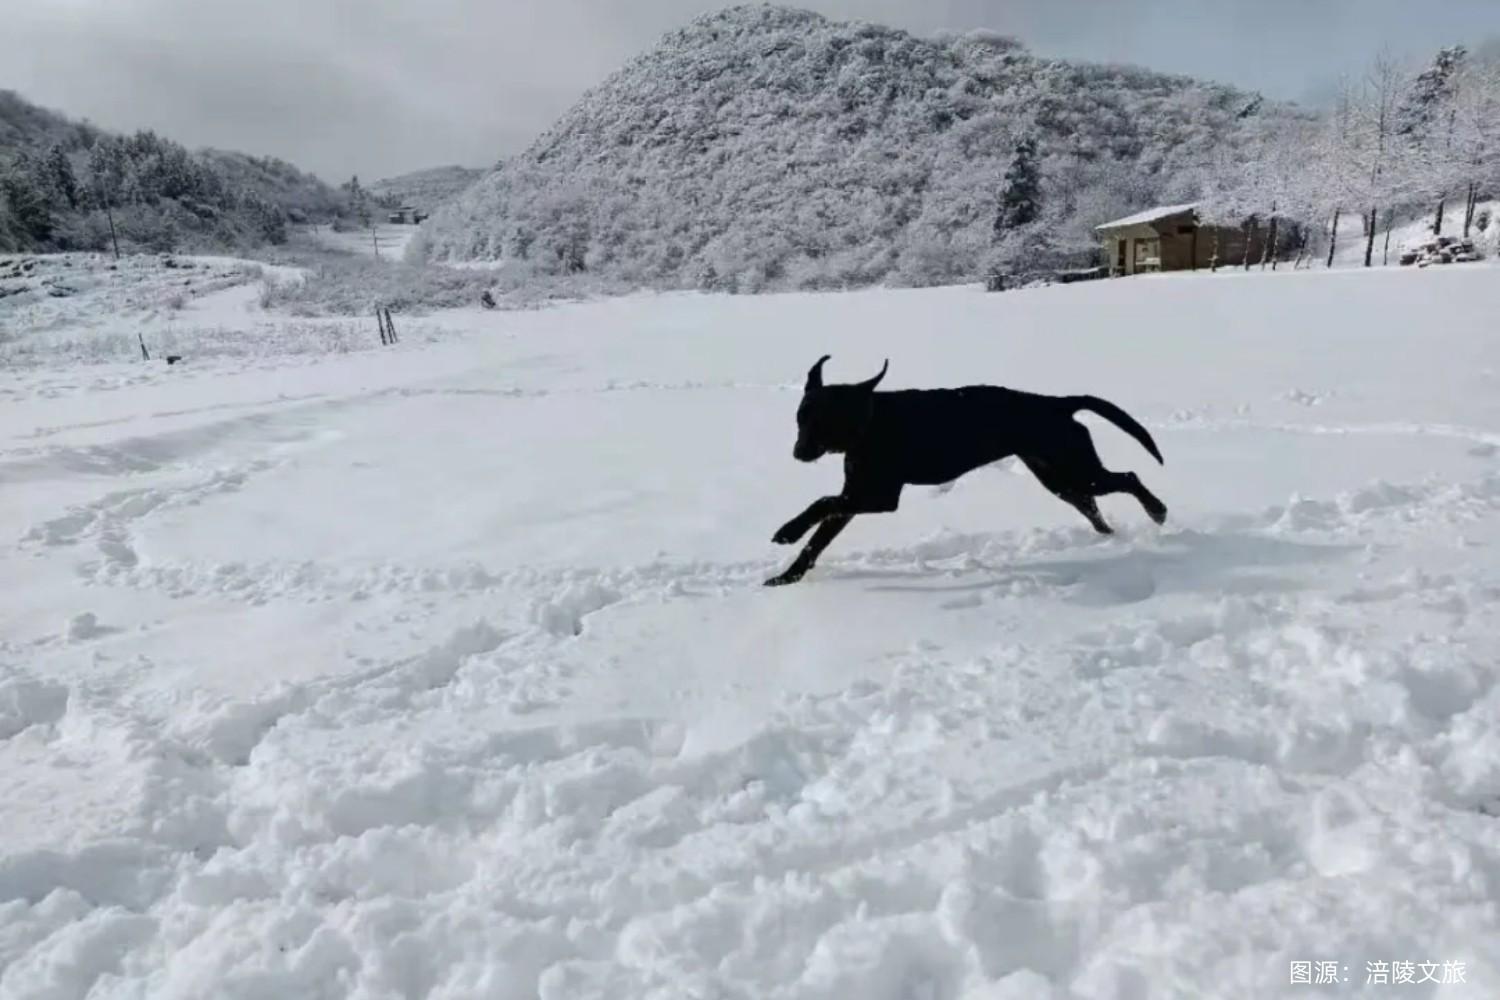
(378, 87)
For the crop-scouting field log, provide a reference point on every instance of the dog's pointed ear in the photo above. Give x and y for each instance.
(870, 384)
(815, 373)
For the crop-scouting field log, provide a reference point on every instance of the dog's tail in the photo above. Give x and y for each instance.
(1109, 411)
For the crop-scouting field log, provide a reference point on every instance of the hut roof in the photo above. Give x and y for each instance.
(1149, 215)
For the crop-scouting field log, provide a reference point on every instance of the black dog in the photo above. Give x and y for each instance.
(926, 437)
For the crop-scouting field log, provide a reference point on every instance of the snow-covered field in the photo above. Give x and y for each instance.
(383, 240)
(445, 670)
(91, 306)
(86, 308)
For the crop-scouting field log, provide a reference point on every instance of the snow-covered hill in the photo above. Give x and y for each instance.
(426, 189)
(56, 177)
(763, 147)
(445, 670)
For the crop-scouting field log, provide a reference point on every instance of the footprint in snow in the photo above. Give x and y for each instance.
(85, 626)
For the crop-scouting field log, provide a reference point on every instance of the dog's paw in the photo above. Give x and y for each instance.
(790, 576)
(787, 534)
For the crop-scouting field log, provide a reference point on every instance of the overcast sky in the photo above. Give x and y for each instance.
(378, 87)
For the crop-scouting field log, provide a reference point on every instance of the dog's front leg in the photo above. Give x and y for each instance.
(832, 515)
(804, 522)
(827, 531)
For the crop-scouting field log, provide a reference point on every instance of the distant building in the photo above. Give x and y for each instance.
(1170, 238)
(406, 215)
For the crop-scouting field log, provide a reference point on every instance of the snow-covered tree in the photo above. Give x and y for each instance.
(1224, 201)
(359, 200)
(27, 199)
(1358, 161)
(106, 172)
(1331, 184)
(1386, 175)
(60, 176)
(1476, 132)
(1426, 120)
(1021, 191)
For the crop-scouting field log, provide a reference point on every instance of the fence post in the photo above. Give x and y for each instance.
(380, 322)
(142, 340)
(390, 325)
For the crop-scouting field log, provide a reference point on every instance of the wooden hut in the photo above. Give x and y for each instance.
(1171, 238)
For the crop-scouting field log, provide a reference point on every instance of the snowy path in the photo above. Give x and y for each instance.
(446, 672)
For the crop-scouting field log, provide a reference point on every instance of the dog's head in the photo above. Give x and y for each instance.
(832, 418)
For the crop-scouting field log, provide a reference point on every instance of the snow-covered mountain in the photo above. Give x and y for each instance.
(763, 146)
(426, 189)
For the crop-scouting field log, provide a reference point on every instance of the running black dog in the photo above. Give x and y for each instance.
(931, 436)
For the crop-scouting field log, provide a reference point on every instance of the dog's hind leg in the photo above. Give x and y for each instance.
(1072, 466)
(1103, 482)
(1070, 488)
(827, 531)
(1129, 482)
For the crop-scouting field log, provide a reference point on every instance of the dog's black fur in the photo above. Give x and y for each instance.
(931, 436)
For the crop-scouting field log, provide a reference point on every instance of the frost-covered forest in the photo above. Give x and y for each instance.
(71, 186)
(763, 147)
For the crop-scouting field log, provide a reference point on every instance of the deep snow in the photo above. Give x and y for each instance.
(444, 670)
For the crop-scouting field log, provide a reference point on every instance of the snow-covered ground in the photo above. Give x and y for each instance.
(89, 308)
(86, 305)
(383, 240)
(445, 670)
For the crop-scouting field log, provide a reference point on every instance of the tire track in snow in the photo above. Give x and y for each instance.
(42, 432)
(106, 522)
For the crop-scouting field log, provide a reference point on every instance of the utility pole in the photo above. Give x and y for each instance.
(110, 215)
